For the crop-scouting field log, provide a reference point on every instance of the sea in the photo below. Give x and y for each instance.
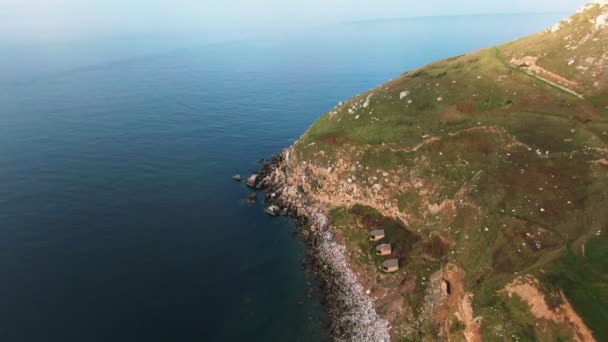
(119, 217)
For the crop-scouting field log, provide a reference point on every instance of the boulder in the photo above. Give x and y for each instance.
(252, 180)
(260, 185)
(252, 197)
(601, 21)
(273, 210)
(237, 178)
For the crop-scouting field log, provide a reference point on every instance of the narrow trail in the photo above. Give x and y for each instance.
(561, 87)
(533, 75)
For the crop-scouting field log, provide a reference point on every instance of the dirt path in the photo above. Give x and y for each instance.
(529, 65)
(570, 91)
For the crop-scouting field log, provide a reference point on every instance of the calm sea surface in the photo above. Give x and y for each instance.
(119, 220)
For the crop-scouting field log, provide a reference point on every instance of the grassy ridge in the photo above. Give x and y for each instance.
(521, 163)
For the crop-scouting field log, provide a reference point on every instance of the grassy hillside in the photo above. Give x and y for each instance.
(489, 172)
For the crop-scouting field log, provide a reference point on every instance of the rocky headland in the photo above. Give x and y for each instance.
(488, 173)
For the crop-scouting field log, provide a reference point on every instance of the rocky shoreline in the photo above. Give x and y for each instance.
(350, 308)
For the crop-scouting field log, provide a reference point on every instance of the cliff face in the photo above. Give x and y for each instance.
(489, 173)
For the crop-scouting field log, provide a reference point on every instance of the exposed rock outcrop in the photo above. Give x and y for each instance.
(252, 181)
(351, 309)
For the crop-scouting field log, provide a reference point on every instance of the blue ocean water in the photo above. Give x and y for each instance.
(119, 220)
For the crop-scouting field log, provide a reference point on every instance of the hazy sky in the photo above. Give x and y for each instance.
(74, 19)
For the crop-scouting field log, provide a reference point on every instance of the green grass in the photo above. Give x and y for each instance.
(584, 280)
(506, 145)
(357, 222)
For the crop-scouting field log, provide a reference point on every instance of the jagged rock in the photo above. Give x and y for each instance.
(351, 310)
(237, 178)
(601, 21)
(260, 185)
(252, 180)
(273, 210)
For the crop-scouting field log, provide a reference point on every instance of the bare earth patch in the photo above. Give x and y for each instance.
(527, 288)
(602, 161)
(472, 331)
(451, 300)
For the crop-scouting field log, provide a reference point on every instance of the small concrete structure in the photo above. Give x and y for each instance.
(376, 235)
(384, 249)
(391, 265)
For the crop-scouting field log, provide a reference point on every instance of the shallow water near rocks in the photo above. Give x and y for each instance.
(119, 218)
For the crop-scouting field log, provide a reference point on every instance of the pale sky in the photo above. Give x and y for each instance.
(77, 19)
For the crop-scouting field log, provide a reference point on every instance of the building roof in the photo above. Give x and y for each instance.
(377, 232)
(384, 247)
(391, 263)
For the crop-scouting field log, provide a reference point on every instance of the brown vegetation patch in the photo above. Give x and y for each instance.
(542, 102)
(589, 111)
(477, 144)
(373, 221)
(450, 115)
(501, 262)
(333, 139)
(467, 107)
(436, 247)
(403, 246)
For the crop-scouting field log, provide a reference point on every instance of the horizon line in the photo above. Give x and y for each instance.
(360, 21)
